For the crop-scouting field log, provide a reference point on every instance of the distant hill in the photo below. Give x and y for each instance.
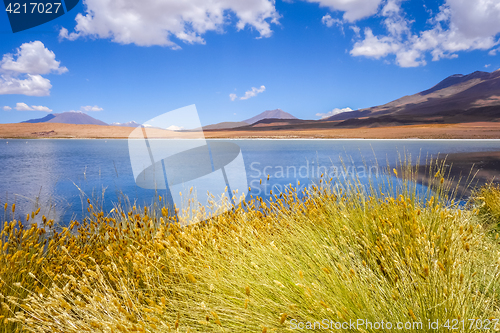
(270, 114)
(40, 120)
(129, 124)
(72, 117)
(225, 125)
(458, 98)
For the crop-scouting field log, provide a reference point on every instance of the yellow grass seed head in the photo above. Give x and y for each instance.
(279, 284)
(426, 270)
(441, 266)
(283, 318)
(412, 315)
(247, 290)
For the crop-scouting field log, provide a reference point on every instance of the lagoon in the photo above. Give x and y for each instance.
(58, 175)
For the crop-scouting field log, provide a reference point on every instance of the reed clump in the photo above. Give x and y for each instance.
(300, 257)
(488, 200)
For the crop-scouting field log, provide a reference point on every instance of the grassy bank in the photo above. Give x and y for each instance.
(336, 255)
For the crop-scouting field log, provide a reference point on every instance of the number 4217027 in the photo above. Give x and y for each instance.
(33, 8)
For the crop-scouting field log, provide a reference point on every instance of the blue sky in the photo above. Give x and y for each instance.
(134, 60)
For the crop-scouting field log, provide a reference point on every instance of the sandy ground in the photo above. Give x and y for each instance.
(479, 130)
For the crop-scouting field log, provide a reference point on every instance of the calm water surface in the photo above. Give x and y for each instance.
(59, 174)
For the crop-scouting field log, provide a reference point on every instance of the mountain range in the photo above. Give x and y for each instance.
(457, 99)
(73, 117)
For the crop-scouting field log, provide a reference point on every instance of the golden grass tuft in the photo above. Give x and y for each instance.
(340, 255)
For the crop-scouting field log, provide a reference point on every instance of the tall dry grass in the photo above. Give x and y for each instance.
(383, 254)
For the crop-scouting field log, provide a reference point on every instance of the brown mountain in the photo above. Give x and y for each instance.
(224, 125)
(72, 117)
(270, 114)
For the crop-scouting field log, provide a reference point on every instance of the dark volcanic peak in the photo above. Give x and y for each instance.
(76, 118)
(464, 95)
(270, 114)
(224, 125)
(458, 79)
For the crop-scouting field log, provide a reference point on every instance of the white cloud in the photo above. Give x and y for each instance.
(89, 108)
(249, 94)
(22, 107)
(374, 47)
(41, 108)
(32, 85)
(20, 73)
(333, 112)
(7, 108)
(32, 58)
(329, 21)
(356, 30)
(353, 9)
(160, 22)
(175, 128)
(458, 26)
(26, 107)
(493, 52)
(487, 65)
(253, 92)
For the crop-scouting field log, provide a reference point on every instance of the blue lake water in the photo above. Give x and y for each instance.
(58, 175)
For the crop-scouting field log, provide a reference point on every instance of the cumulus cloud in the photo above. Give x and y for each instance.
(32, 85)
(22, 107)
(20, 73)
(493, 52)
(26, 107)
(253, 92)
(458, 26)
(32, 58)
(249, 94)
(329, 21)
(89, 108)
(7, 108)
(353, 9)
(333, 112)
(160, 22)
(41, 108)
(375, 47)
(175, 128)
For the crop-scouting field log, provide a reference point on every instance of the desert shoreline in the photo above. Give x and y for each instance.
(482, 130)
